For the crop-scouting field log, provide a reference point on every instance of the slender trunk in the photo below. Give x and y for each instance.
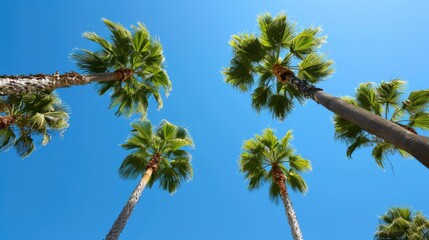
(14, 85)
(6, 121)
(280, 179)
(416, 145)
(125, 214)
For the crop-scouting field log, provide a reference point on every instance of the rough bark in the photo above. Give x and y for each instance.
(414, 144)
(126, 212)
(280, 180)
(6, 121)
(40, 83)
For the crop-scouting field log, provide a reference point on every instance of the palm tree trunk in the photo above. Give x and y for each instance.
(280, 179)
(13, 85)
(416, 145)
(125, 214)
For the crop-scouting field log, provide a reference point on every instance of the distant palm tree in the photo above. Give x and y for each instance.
(402, 224)
(267, 159)
(24, 118)
(384, 100)
(284, 64)
(131, 66)
(158, 155)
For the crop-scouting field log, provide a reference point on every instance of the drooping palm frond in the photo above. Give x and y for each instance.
(166, 140)
(385, 101)
(263, 152)
(277, 43)
(37, 118)
(135, 50)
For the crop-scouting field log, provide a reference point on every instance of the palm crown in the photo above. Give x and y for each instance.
(402, 224)
(265, 152)
(255, 58)
(385, 101)
(166, 141)
(135, 51)
(33, 116)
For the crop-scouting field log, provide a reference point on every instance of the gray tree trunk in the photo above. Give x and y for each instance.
(14, 85)
(125, 214)
(290, 213)
(414, 144)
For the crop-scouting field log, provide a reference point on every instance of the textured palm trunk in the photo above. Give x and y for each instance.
(280, 179)
(416, 145)
(6, 121)
(13, 85)
(126, 212)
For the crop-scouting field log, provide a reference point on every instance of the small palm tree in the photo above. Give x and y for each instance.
(131, 66)
(267, 159)
(402, 224)
(283, 64)
(28, 117)
(384, 100)
(157, 155)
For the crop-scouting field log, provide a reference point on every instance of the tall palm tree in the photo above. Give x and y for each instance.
(24, 119)
(402, 224)
(131, 66)
(384, 100)
(285, 64)
(268, 159)
(157, 155)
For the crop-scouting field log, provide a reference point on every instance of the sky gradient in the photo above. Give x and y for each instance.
(70, 189)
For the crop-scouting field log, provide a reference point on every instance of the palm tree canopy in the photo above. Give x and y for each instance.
(263, 152)
(134, 50)
(169, 142)
(402, 224)
(384, 100)
(277, 44)
(36, 116)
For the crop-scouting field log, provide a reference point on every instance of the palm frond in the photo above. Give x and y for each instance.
(315, 68)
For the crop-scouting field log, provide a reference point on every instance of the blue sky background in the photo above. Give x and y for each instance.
(71, 190)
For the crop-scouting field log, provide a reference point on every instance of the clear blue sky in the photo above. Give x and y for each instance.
(71, 190)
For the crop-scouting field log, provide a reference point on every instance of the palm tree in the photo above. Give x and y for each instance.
(28, 117)
(131, 66)
(285, 64)
(384, 100)
(402, 224)
(157, 155)
(267, 159)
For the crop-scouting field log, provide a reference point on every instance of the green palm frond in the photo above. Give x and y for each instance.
(261, 153)
(256, 55)
(166, 141)
(239, 74)
(275, 32)
(402, 223)
(389, 93)
(296, 182)
(419, 120)
(37, 117)
(247, 46)
(315, 68)
(135, 50)
(418, 101)
(367, 99)
(384, 100)
(306, 42)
